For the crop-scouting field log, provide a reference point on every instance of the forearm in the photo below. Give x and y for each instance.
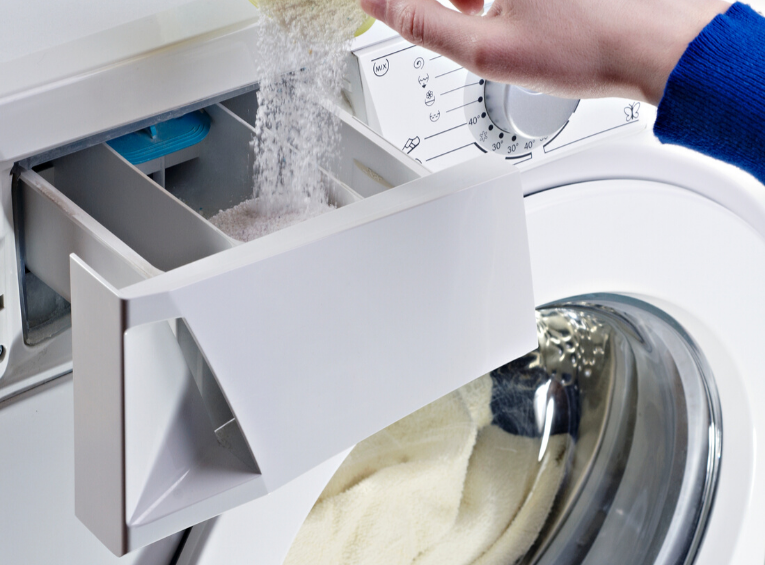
(714, 101)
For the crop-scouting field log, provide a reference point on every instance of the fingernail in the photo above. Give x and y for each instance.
(475, 10)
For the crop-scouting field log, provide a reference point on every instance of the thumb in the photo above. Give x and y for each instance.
(458, 36)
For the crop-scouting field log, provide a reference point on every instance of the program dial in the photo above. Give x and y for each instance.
(511, 120)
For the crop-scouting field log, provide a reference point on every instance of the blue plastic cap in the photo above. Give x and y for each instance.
(162, 139)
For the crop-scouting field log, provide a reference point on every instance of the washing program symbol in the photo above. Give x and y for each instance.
(380, 67)
(419, 62)
(435, 117)
(411, 144)
(632, 111)
(423, 80)
(430, 98)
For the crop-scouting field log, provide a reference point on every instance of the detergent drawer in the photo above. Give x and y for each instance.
(209, 372)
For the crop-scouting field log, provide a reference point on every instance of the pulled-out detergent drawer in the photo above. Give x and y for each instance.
(209, 372)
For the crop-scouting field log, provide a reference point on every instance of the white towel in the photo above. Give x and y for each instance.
(441, 486)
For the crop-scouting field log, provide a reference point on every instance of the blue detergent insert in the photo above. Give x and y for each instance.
(162, 139)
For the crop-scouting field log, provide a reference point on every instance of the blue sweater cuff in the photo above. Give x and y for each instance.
(714, 101)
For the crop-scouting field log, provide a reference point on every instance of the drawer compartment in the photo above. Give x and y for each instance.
(169, 228)
(210, 372)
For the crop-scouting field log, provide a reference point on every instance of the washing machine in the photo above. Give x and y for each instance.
(171, 395)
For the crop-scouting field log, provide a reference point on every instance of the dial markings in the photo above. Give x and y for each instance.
(451, 151)
(468, 104)
(459, 88)
(488, 135)
(449, 72)
(446, 130)
(585, 137)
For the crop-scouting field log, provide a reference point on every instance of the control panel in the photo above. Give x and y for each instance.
(440, 114)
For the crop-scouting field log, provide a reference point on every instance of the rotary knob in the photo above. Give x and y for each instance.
(526, 112)
(511, 120)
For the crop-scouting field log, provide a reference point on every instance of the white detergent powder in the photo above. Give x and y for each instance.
(302, 46)
(245, 222)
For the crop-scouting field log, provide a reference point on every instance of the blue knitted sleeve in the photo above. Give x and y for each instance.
(714, 101)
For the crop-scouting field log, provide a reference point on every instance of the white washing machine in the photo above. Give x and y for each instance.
(204, 419)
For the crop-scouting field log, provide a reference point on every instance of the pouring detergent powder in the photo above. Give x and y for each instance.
(429, 489)
(296, 134)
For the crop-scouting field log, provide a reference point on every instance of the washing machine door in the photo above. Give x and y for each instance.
(603, 446)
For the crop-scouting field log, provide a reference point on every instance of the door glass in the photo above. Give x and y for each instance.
(601, 446)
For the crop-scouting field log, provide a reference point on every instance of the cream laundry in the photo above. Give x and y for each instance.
(442, 485)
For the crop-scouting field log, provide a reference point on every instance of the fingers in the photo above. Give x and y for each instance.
(460, 37)
(470, 7)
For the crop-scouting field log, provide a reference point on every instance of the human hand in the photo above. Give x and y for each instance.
(568, 48)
